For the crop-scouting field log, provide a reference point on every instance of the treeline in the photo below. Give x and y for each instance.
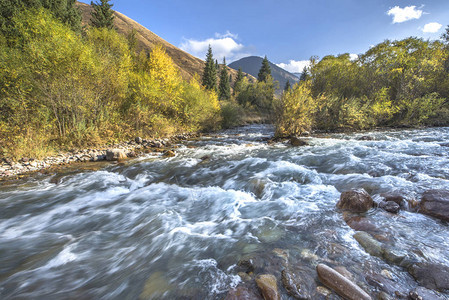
(395, 83)
(62, 86)
(247, 99)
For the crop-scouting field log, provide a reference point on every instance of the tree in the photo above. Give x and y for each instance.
(210, 72)
(445, 38)
(304, 74)
(102, 16)
(287, 86)
(224, 88)
(238, 84)
(265, 70)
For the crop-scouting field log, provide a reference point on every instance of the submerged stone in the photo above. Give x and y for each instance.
(368, 243)
(435, 203)
(430, 275)
(340, 284)
(268, 287)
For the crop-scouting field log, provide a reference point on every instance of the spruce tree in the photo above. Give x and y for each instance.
(238, 82)
(265, 70)
(102, 16)
(224, 88)
(304, 74)
(287, 86)
(210, 72)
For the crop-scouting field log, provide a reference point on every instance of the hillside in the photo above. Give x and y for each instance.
(252, 64)
(187, 64)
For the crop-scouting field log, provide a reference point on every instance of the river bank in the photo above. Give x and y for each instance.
(131, 149)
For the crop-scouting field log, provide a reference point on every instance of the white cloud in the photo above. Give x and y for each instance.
(432, 27)
(223, 45)
(353, 56)
(295, 66)
(404, 14)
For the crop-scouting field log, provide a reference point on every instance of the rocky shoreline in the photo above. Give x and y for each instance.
(10, 170)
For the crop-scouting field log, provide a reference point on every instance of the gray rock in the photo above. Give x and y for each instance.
(294, 286)
(430, 275)
(390, 206)
(421, 293)
(242, 293)
(355, 200)
(435, 203)
(296, 142)
(340, 284)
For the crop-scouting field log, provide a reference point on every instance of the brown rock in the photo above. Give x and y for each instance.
(115, 155)
(242, 293)
(355, 200)
(340, 284)
(431, 276)
(268, 287)
(293, 285)
(359, 223)
(296, 142)
(390, 206)
(169, 153)
(435, 203)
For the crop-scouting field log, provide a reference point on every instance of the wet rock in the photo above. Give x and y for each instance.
(115, 155)
(355, 200)
(242, 293)
(244, 276)
(296, 142)
(169, 153)
(138, 140)
(281, 253)
(268, 287)
(293, 285)
(155, 287)
(421, 293)
(386, 285)
(247, 265)
(131, 154)
(365, 138)
(368, 243)
(390, 206)
(343, 271)
(340, 284)
(256, 186)
(271, 235)
(395, 197)
(359, 223)
(430, 275)
(435, 203)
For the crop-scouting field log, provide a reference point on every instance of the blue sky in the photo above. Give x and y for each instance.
(289, 32)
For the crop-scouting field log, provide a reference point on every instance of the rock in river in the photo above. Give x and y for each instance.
(297, 142)
(390, 206)
(115, 154)
(355, 200)
(370, 245)
(435, 203)
(431, 276)
(340, 284)
(268, 286)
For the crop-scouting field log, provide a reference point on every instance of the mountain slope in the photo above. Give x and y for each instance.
(187, 64)
(252, 64)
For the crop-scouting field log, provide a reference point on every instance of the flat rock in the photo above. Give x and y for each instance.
(431, 276)
(435, 203)
(340, 284)
(268, 287)
(357, 200)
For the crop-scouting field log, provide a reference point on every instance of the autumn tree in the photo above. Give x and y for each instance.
(224, 88)
(287, 86)
(238, 82)
(102, 15)
(210, 72)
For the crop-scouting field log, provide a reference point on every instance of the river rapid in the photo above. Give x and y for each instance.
(177, 228)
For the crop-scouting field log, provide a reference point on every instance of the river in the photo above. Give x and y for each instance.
(176, 228)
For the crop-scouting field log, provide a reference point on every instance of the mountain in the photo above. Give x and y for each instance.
(297, 74)
(146, 40)
(252, 64)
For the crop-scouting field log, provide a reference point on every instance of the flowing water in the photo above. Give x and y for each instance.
(176, 228)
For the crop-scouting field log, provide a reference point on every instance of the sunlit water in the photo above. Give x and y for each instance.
(176, 228)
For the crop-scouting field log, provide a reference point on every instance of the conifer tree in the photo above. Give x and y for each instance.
(238, 82)
(304, 74)
(265, 70)
(102, 15)
(224, 88)
(210, 72)
(287, 86)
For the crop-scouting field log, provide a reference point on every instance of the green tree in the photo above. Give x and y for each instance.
(224, 88)
(304, 74)
(102, 15)
(445, 38)
(238, 82)
(265, 70)
(210, 72)
(287, 86)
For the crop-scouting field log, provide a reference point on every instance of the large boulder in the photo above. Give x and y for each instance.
(435, 203)
(115, 155)
(297, 142)
(340, 284)
(357, 200)
(268, 287)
